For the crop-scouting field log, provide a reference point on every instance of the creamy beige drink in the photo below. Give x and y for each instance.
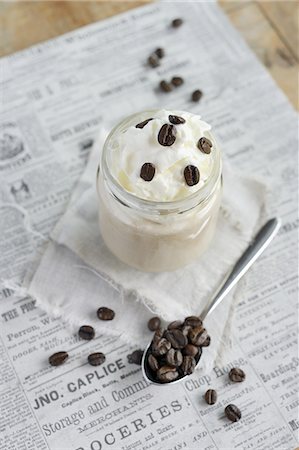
(159, 186)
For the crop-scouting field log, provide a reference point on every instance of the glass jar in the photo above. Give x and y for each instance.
(157, 236)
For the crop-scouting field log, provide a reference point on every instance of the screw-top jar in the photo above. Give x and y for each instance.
(146, 233)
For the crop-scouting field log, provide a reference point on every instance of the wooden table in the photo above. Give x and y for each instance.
(269, 27)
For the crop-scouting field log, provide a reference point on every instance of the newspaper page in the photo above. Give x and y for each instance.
(54, 98)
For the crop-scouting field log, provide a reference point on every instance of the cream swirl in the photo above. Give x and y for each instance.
(131, 147)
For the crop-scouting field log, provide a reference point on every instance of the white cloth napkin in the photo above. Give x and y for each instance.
(78, 274)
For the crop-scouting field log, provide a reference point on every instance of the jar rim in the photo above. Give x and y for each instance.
(131, 200)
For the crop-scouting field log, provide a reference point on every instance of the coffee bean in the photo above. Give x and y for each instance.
(175, 324)
(86, 332)
(158, 335)
(193, 321)
(233, 413)
(191, 350)
(142, 124)
(174, 357)
(153, 61)
(188, 365)
(185, 329)
(135, 357)
(204, 144)
(176, 120)
(105, 313)
(191, 174)
(58, 358)
(237, 375)
(160, 52)
(176, 338)
(167, 135)
(196, 95)
(211, 397)
(177, 81)
(147, 171)
(153, 363)
(96, 359)
(206, 342)
(197, 336)
(154, 324)
(167, 374)
(165, 86)
(176, 23)
(161, 347)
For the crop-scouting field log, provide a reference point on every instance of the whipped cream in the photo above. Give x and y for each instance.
(130, 148)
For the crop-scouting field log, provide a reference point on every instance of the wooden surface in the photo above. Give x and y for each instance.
(269, 27)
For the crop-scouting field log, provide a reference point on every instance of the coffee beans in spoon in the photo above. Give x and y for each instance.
(174, 352)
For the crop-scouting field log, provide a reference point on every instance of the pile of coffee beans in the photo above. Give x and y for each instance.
(174, 352)
(87, 333)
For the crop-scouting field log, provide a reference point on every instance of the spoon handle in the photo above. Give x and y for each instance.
(253, 251)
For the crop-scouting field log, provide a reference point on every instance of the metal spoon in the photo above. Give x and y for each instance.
(253, 251)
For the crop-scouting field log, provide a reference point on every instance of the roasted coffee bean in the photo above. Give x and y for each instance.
(196, 95)
(191, 174)
(188, 365)
(197, 336)
(204, 144)
(206, 342)
(135, 357)
(175, 324)
(193, 321)
(177, 81)
(176, 338)
(105, 313)
(142, 124)
(158, 334)
(176, 23)
(211, 397)
(174, 357)
(191, 350)
(58, 358)
(86, 332)
(176, 120)
(153, 61)
(160, 52)
(161, 347)
(185, 329)
(153, 363)
(165, 86)
(167, 374)
(167, 135)
(96, 359)
(237, 375)
(154, 324)
(233, 413)
(147, 171)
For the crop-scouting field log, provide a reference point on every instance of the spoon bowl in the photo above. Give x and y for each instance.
(149, 375)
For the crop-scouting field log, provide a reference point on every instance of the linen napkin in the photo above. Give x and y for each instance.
(78, 274)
